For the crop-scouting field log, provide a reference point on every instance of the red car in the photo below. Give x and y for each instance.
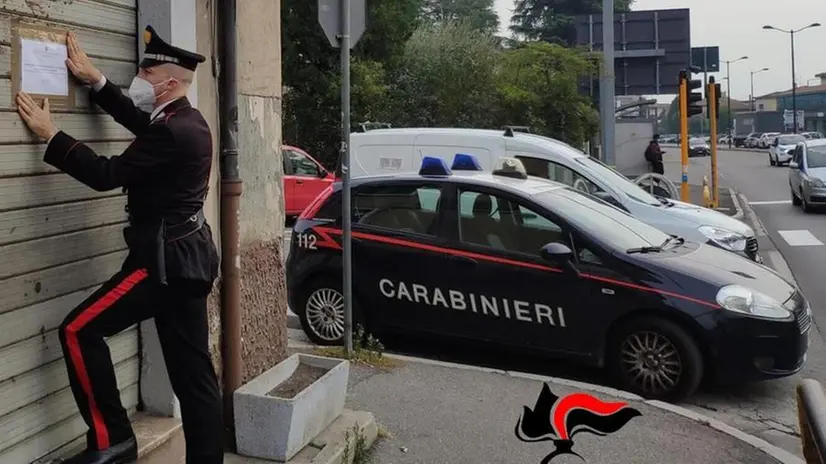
(304, 179)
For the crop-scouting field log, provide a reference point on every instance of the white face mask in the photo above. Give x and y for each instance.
(142, 93)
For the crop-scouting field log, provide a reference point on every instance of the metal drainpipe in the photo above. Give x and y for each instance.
(230, 202)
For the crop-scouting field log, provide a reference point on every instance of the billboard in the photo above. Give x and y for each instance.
(651, 48)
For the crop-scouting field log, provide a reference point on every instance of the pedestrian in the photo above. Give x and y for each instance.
(172, 261)
(654, 155)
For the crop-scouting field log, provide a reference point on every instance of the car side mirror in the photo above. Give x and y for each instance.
(793, 165)
(322, 173)
(557, 253)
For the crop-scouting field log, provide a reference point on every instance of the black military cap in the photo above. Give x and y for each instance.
(159, 52)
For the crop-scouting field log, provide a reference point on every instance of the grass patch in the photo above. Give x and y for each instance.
(367, 350)
(358, 452)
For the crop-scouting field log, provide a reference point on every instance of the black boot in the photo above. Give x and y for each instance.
(125, 452)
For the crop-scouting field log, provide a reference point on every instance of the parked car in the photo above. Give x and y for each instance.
(751, 139)
(766, 139)
(739, 140)
(807, 174)
(524, 264)
(782, 148)
(304, 179)
(723, 140)
(812, 135)
(698, 147)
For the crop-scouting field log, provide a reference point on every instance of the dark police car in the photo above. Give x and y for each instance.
(525, 262)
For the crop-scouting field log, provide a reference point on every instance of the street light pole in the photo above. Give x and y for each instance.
(753, 101)
(792, 32)
(728, 94)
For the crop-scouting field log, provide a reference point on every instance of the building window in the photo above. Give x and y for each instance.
(761, 107)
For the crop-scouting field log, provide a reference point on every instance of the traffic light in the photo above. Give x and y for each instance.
(694, 98)
(713, 97)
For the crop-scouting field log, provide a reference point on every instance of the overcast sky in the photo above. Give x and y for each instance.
(736, 27)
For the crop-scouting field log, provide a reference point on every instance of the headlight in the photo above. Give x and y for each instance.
(753, 303)
(816, 183)
(724, 238)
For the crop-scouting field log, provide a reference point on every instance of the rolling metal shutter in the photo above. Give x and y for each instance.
(59, 239)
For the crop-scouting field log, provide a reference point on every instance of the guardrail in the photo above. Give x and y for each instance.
(811, 413)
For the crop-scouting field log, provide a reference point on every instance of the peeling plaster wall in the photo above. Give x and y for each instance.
(207, 88)
(263, 290)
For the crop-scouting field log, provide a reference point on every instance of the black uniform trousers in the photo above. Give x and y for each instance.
(180, 314)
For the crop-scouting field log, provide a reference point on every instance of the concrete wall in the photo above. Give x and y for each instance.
(262, 202)
(769, 104)
(632, 138)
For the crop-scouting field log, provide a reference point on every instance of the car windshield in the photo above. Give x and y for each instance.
(697, 142)
(603, 221)
(790, 139)
(816, 157)
(617, 180)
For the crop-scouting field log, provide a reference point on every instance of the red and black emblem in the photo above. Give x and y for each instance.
(559, 419)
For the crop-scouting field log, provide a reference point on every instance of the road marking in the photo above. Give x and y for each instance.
(775, 202)
(799, 238)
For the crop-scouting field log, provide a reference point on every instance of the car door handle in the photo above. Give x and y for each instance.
(463, 260)
(298, 181)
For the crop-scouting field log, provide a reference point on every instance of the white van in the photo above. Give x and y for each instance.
(388, 151)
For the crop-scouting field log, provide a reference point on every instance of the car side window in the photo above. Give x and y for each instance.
(496, 222)
(558, 173)
(302, 165)
(411, 208)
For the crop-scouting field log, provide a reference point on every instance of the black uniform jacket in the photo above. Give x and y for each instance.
(165, 172)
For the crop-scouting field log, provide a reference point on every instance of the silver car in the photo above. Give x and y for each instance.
(807, 174)
(782, 148)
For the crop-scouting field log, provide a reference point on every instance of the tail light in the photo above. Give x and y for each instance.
(319, 201)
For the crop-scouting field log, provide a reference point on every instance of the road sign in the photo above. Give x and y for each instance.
(650, 49)
(329, 16)
(706, 58)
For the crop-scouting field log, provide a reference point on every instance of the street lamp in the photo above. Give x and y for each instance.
(791, 33)
(752, 85)
(728, 93)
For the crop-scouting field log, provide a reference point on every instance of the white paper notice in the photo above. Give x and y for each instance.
(43, 66)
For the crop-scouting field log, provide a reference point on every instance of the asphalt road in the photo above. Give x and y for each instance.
(765, 409)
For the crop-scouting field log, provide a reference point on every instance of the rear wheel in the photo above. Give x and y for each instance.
(321, 311)
(655, 358)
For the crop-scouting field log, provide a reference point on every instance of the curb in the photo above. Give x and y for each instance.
(736, 200)
(778, 453)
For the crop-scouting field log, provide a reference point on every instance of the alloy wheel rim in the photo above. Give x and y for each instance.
(651, 362)
(325, 314)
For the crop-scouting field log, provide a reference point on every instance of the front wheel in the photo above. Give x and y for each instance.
(655, 358)
(771, 160)
(795, 200)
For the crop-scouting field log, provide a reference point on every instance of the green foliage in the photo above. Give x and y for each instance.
(479, 14)
(539, 87)
(553, 20)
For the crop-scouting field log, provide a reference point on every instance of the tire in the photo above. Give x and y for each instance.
(795, 201)
(771, 160)
(687, 355)
(320, 294)
(807, 208)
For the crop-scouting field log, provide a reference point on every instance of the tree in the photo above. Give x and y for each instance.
(539, 84)
(311, 106)
(446, 78)
(553, 20)
(479, 14)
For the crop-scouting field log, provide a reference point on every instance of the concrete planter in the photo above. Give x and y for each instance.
(274, 428)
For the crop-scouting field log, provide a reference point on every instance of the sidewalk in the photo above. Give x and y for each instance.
(697, 169)
(437, 413)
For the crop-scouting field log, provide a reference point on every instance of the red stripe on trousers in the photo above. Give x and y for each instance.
(86, 316)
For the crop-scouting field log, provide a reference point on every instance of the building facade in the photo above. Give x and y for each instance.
(59, 240)
(811, 99)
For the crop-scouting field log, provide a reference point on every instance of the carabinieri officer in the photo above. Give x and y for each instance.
(172, 261)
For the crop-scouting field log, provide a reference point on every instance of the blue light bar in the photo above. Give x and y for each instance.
(434, 167)
(465, 162)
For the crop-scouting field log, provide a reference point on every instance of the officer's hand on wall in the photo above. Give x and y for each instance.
(39, 119)
(79, 63)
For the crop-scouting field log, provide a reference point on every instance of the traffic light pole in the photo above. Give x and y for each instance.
(711, 98)
(684, 188)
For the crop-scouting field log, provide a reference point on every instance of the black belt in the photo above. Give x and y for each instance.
(172, 232)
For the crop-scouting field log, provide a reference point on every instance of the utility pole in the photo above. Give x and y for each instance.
(606, 84)
(713, 100)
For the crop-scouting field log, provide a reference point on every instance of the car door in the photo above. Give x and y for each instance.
(308, 177)
(513, 296)
(289, 184)
(398, 256)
